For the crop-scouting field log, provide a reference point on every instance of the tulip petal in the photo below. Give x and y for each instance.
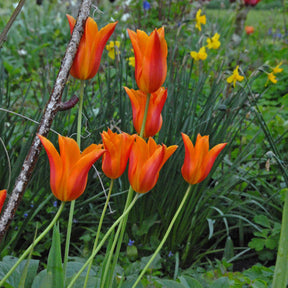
(78, 177)
(101, 39)
(71, 21)
(56, 167)
(210, 158)
(3, 194)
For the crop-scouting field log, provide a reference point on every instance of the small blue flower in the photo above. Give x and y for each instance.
(170, 254)
(55, 203)
(75, 220)
(131, 242)
(31, 205)
(25, 215)
(146, 5)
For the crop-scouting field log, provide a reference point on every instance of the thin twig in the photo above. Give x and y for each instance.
(51, 110)
(13, 17)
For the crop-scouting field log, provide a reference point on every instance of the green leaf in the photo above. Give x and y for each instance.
(257, 244)
(262, 220)
(170, 283)
(54, 276)
(271, 243)
(222, 282)
(189, 282)
(229, 249)
(14, 280)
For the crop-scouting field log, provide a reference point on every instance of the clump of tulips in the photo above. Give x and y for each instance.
(69, 168)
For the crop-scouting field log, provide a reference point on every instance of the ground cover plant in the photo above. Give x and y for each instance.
(222, 80)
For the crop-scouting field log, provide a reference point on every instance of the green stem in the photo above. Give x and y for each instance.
(72, 205)
(118, 239)
(121, 228)
(165, 236)
(98, 230)
(29, 249)
(280, 273)
(79, 120)
(145, 115)
(103, 241)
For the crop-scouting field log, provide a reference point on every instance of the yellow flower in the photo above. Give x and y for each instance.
(213, 43)
(277, 69)
(113, 49)
(200, 19)
(201, 55)
(235, 77)
(131, 61)
(272, 78)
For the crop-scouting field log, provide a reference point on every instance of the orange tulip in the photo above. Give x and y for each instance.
(249, 30)
(145, 162)
(118, 147)
(3, 194)
(150, 59)
(69, 170)
(198, 159)
(87, 60)
(154, 118)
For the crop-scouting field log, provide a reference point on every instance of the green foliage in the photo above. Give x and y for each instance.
(266, 240)
(239, 199)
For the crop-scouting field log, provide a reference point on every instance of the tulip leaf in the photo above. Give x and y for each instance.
(54, 276)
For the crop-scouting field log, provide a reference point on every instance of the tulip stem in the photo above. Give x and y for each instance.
(72, 205)
(145, 116)
(111, 229)
(30, 248)
(117, 240)
(165, 236)
(79, 122)
(98, 230)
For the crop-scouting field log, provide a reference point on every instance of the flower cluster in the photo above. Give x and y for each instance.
(212, 43)
(69, 168)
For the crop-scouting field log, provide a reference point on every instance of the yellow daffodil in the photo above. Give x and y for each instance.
(235, 77)
(277, 69)
(131, 61)
(213, 43)
(200, 19)
(201, 55)
(113, 49)
(272, 78)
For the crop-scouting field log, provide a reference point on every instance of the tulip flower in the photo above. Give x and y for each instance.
(118, 147)
(213, 43)
(87, 60)
(69, 170)
(154, 118)
(249, 30)
(251, 2)
(200, 19)
(145, 162)
(235, 76)
(3, 194)
(201, 55)
(198, 159)
(150, 59)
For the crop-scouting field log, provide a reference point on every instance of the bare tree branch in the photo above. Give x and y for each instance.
(13, 17)
(51, 110)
